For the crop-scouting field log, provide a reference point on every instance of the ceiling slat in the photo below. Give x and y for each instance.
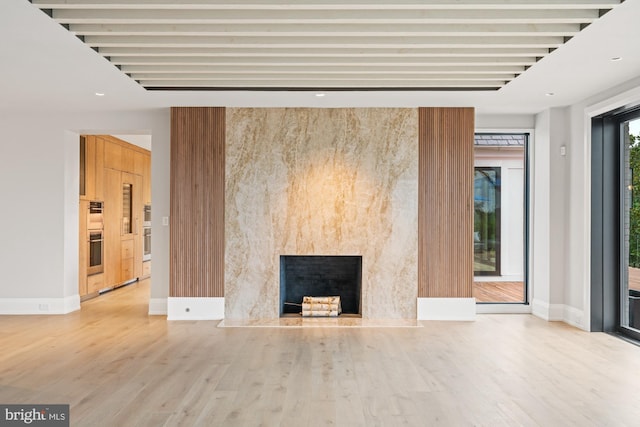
(182, 16)
(365, 52)
(178, 62)
(317, 42)
(325, 4)
(334, 44)
(267, 70)
(266, 30)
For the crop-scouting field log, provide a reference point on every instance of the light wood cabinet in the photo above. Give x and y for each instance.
(138, 162)
(112, 155)
(126, 249)
(146, 177)
(127, 160)
(112, 226)
(99, 169)
(95, 283)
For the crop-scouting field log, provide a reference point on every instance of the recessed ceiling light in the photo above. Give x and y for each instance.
(549, 94)
(616, 58)
(320, 95)
(99, 94)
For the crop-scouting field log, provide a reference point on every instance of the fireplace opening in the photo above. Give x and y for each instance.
(320, 276)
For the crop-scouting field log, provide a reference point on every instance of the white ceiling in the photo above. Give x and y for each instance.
(46, 67)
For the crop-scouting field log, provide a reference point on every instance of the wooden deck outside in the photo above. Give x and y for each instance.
(514, 291)
(634, 278)
(502, 291)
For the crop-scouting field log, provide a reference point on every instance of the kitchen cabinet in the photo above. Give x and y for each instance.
(112, 226)
(112, 155)
(95, 283)
(146, 178)
(92, 164)
(127, 160)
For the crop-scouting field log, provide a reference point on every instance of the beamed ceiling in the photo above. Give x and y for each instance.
(325, 44)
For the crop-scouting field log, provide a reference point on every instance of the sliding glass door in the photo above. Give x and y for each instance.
(615, 223)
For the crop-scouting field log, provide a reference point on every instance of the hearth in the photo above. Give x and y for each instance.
(320, 276)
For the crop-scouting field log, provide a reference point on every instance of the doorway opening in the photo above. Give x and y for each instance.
(500, 218)
(114, 212)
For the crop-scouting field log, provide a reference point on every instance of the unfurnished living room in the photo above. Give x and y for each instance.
(354, 213)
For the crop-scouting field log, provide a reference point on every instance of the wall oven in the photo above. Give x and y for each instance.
(95, 231)
(146, 253)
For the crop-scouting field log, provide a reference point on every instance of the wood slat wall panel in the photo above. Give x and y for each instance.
(197, 202)
(445, 202)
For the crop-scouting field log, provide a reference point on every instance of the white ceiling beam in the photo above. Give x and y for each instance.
(463, 16)
(306, 84)
(325, 4)
(331, 69)
(266, 30)
(310, 76)
(155, 62)
(319, 42)
(364, 52)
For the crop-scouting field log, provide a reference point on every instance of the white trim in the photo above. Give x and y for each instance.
(157, 306)
(503, 309)
(447, 309)
(546, 311)
(192, 308)
(574, 317)
(15, 306)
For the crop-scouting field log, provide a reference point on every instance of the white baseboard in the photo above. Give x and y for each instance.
(186, 308)
(13, 306)
(574, 317)
(546, 311)
(157, 306)
(447, 309)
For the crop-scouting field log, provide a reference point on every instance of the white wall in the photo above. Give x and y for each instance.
(549, 204)
(39, 188)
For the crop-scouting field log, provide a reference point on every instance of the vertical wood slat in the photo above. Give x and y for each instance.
(445, 202)
(197, 202)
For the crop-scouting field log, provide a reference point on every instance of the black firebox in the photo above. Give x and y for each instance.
(318, 276)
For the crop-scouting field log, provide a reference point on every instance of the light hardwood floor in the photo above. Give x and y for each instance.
(116, 366)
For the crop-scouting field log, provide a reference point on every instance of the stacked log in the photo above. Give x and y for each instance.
(321, 306)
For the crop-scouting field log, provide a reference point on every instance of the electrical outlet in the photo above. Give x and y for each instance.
(43, 307)
(165, 220)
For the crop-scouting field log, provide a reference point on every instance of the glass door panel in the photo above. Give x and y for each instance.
(630, 283)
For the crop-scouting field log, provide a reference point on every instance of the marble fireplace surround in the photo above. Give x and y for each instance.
(308, 181)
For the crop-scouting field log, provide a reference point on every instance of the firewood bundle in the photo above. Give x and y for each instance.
(321, 306)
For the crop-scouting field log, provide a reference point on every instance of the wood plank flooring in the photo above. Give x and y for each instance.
(498, 291)
(117, 366)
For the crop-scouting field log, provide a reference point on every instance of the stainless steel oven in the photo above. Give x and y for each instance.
(96, 252)
(95, 231)
(146, 253)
